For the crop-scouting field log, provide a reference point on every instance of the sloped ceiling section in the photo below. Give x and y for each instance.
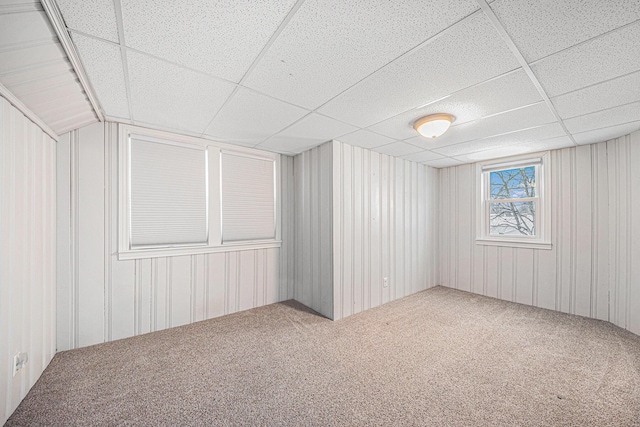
(286, 75)
(36, 70)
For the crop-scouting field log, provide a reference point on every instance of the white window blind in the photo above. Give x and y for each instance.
(248, 198)
(168, 194)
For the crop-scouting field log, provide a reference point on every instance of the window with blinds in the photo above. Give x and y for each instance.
(168, 194)
(247, 197)
(179, 195)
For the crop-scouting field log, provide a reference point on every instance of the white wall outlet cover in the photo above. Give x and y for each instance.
(385, 282)
(19, 361)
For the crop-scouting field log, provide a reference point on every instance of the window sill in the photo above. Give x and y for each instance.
(195, 250)
(514, 244)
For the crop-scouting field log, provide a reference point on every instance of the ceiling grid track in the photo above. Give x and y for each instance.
(57, 22)
(408, 52)
(588, 40)
(123, 54)
(255, 62)
(523, 62)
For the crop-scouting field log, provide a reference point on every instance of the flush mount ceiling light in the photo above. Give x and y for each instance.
(434, 125)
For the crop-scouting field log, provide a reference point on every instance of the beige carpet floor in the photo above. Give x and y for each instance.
(438, 358)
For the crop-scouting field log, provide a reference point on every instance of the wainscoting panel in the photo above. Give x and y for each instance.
(27, 253)
(595, 237)
(104, 299)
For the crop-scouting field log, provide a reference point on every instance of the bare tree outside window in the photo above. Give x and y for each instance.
(512, 204)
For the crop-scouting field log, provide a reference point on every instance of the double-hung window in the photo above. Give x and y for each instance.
(514, 208)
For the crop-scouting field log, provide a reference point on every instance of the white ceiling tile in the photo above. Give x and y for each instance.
(423, 156)
(103, 63)
(366, 139)
(619, 91)
(167, 95)
(397, 149)
(551, 143)
(542, 27)
(605, 134)
(606, 118)
(468, 53)
(505, 93)
(18, 28)
(443, 163)
(523, 148)
(511, 121)
(309, 132)
(597, 60)
(249, 118)
(501, 141)
(222, 37)
(330, 45)
(94, 17)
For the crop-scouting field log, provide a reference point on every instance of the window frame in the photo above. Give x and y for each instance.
(213, 151)
(542, 201)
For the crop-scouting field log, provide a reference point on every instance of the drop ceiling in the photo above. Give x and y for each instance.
(286, 75)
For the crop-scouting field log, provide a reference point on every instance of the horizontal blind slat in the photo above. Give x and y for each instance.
(248, 204)
(168, 194)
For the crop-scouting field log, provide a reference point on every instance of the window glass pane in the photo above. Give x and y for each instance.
(513, 183)
(513, 218)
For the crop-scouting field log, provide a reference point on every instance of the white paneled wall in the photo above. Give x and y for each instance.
(384, 225)
(313, 229)
(362, 216)
(590, 270)
(102, 299)
(27, 253)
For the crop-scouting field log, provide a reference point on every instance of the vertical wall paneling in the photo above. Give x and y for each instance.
(27, 253)
(398, 279)
(385, 249)
(315, 222)
(357, 224)
(287, 251)
(101, 298)
(583, 228)
(313, 197)
(590, 270)
(64, 279)
(385, 220)
(622, 233)
(633, 291)
(346, 235)
(89, 229)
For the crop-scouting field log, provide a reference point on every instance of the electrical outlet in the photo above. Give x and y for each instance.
(19, 361)
(385, 282)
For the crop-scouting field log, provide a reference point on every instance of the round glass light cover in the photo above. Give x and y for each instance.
(433, 125)
(434, 128)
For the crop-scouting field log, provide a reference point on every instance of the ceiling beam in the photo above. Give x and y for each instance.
(523, 63)
(51, 8)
